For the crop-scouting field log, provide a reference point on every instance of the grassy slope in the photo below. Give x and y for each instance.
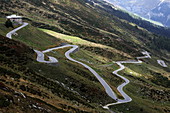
(98, 62)
(36, 38)
(82, 42)
(80, 20)
(149, 96)
(125, 35)
(31, 66)
(26, 39)
(11, 79)
(80, 76)
(142, 103)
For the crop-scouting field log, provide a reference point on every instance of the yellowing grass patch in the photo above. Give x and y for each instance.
(133, 73)
(78, 41)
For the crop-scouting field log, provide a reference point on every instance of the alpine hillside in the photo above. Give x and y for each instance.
(161, 13)
(157, 10)
(81, 56)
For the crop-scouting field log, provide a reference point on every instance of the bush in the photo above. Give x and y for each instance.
(4, 102)
(161, 80)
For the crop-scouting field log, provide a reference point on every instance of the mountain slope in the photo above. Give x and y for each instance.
(75, 75)
(41, 93)
(157, 10)
(140, 7)
(161, 13)
(103, 39)
(81, 20)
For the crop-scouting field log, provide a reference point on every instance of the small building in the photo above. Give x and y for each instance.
(15, 19)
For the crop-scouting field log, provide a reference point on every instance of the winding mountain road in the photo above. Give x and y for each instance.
(120, 87)
(9, 35)
(75, 48)
(109, 91)
(40, 58)
(40, 55)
